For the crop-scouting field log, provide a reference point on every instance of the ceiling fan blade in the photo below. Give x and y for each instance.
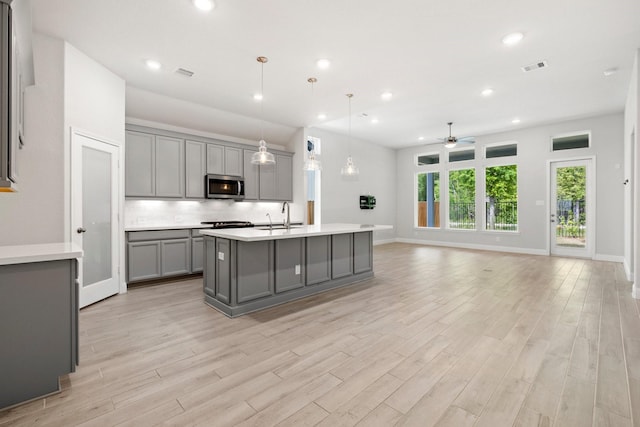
(434, 143)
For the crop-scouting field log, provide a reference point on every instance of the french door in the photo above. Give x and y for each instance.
(572, 208)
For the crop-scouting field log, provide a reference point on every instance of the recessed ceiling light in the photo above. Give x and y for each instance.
(487, 92)
(386, 96)
(204, 5)
(322, 116)
(421, 138)
(323, 64)
(513, 38)
(257, 97)
(610, 71)
(374, 121)
(515, 121)
(152, 64)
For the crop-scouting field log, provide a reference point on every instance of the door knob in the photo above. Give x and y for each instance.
(81, 230)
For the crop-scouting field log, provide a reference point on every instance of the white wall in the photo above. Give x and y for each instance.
(35, 214)
(533, 156)
(632, 164)
(340, 198)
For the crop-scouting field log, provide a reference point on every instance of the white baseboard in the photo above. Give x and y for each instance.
(610, 258)
(383, 242)
(526, 251)
(627, 271)
(635, 291)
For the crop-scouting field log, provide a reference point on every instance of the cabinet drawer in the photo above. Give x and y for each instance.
(137, 236)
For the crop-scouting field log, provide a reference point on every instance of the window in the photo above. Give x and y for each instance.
(462, 199)
(428, 210)
(428, 159)
(462, 155)
(501, 150)
(501, 192)
(572, 141)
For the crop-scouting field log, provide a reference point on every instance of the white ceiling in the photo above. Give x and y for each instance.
(435, 56)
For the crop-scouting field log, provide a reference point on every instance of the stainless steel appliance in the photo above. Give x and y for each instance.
(224, 187)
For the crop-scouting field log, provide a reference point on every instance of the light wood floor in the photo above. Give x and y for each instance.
(439, 337)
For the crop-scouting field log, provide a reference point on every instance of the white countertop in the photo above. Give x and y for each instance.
(256, 234)
(174, 226)
(36, 253)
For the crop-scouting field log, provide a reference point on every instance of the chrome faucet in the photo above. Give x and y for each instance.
(270, 223)
(287, 223)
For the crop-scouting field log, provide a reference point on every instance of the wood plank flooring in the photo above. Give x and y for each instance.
(440, 337)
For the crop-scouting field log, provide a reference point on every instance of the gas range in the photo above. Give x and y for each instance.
(228, 224)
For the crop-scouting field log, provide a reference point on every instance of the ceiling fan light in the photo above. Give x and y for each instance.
(450, 144)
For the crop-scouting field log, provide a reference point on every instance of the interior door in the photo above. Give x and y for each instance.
(94, 223)
(572, 209)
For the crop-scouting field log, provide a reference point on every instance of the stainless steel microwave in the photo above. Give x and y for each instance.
(224, 187)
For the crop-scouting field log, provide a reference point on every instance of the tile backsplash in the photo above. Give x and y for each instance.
(164, 212)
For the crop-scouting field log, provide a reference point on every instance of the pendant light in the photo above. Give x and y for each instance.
(262, 157)
(349, 169)
(312, 163)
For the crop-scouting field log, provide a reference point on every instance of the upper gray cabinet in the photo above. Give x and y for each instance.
(223, 160)
(195, 168)
(251, 177)
(154, 166)
(276, 181)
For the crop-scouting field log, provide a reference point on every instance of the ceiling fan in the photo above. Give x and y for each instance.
(452, 141)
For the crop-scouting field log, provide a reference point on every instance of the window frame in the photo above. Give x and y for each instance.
(499, 144)
(568, 134)
(468, 165)
(428, 153)
(471, 147)
(491, 163)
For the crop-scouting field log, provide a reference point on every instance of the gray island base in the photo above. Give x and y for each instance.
(250, 269)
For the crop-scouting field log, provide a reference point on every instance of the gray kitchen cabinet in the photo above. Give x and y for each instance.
(255, 270)
(341, 255)
(222, 257)
(176, 257)
(362, 252)
(154, 166)
(140, 167)
(195, 168)
(224, 160)
(251, 177)
(276, 181)
(144, 261)
(289, 262)
(197, 254)
(267, 187)
(318, 259)
(39, 328)
(169, 167)
(209, 281)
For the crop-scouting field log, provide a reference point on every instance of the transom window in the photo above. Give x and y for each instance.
(501, 150)
(571, 141)
(428, 159)
(462, 155)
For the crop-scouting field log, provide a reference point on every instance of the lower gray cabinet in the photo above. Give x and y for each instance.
(362, 253)
(197, 254)
(341, 255)
(143, 261)
(318, 260)
(176, 257)
(255, 270)
(289, 260)
(222, 257)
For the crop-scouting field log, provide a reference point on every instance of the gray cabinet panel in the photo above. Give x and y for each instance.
(289, 272)
(362, 252)
(233, 161)
(222, 258)
(137, 236)
(169, 167)
(210, 271)
(143, 260)
(255, 270)
(140, 164)
(176, 257)
(215, 159)
(197, 254)
(318, 259)
(341, 255)
(251, 177)
(195, 168)
(268, 182)
(284, 177)
(39, 313)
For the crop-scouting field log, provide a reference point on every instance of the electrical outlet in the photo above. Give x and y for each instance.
(221, 256)
(297, 268)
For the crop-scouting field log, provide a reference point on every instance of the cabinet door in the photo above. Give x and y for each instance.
(169, 167)
(255, 270)
(140, 165)
(195, 168)
(233, 161)
(176, 257)
(284, 177)
(341, 255)
(289, 272)
(209, 276)
(268, 182)
(251, 177)
(362, 252)
(197, 254)
(223, 269)
(318, 259)
(215, 159)
(143, 261)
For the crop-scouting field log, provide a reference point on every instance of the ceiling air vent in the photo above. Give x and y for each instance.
(184, 72)
(535, 66)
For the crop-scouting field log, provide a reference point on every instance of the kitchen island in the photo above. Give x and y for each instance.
(248, 269)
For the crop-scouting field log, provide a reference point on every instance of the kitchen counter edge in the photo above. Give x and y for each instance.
(22, 254)
(255, 235)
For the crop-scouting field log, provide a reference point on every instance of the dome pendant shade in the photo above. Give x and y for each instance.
(312, 164)
(262, 156)
(349, 169)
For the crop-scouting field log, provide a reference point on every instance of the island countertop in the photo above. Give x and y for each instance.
(256, 234)
(39, 252)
